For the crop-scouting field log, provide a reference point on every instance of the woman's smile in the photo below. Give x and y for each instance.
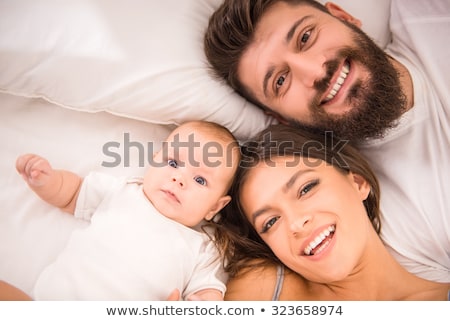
(320, 242)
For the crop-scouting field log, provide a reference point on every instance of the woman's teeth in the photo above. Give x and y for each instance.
(318, 240)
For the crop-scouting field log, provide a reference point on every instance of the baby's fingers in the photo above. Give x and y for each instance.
(22, 161)
(33, 168)
(194, 297)
(174, 295)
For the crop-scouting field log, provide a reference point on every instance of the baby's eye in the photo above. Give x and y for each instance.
(172, 163)
(267, 225)
(307, 188)
(200, 180)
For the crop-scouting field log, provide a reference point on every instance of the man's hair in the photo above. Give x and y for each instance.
(230, 32)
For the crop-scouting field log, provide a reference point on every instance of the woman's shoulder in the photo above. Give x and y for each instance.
(266, 283)
(253, 284)
(295, 287)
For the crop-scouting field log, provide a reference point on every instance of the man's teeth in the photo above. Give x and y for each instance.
(344, 72)
(319, 239)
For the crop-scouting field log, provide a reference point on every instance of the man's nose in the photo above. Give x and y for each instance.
(307, 68)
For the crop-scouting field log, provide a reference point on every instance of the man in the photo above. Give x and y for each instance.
(310, 65)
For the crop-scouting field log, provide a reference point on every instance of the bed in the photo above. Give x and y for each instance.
(77, 76)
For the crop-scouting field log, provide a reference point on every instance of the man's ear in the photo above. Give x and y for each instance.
(361, 185)
(340, 13)
(221, 203)
(278, 117)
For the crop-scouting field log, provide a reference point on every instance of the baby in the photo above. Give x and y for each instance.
(142, 241)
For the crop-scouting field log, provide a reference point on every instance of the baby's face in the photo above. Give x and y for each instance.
(190, 177)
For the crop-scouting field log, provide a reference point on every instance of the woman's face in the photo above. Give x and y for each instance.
(310, 214)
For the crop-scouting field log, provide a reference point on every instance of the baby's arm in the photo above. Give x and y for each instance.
(206, 295)
(202, 295)
(9, 292)
(57, 187)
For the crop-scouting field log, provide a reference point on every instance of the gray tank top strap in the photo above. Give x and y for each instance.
(279, 283)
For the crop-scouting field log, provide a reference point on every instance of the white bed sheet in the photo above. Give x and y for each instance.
(32, 233)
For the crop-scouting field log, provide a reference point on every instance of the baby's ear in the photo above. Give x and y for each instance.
(221, 203)
(215, 218)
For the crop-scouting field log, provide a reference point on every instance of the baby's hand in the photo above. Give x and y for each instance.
(34, 169)
(174, 295)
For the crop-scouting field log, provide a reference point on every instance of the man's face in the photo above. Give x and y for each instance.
(316, 70)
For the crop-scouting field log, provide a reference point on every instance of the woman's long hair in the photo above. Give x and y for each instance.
(240, 244)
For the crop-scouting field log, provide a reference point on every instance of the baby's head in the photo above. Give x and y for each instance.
(193, 171)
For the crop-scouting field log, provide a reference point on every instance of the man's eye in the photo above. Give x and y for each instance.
(172, 163)
(200, 180)
(280, 81)
(305, 37)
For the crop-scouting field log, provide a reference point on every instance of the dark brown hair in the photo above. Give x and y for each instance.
(241, 245)
(230, 32)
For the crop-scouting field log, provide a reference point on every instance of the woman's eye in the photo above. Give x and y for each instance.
(267, 225)
(200, 180)
(307, 188)
(304, 38)
(172, 163)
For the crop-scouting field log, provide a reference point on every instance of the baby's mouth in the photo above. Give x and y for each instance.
(320, 242)
(171, 196)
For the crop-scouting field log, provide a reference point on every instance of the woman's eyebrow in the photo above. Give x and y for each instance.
(294, 178)
(258, 213)
(286, 187)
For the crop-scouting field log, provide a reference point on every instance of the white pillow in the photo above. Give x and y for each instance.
(141, 59)
(134, 58)
(374, 15)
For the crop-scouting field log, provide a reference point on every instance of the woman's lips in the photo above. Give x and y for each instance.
(320, 242)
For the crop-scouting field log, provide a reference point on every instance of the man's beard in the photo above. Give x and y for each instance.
(377, 103)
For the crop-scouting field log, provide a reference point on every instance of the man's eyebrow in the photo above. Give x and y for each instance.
(288, 185)
(267, 76)
(287, 39)
(294, 27)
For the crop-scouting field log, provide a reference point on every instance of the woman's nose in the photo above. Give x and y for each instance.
(300, 223)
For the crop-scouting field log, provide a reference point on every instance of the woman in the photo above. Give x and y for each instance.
(312, 205)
